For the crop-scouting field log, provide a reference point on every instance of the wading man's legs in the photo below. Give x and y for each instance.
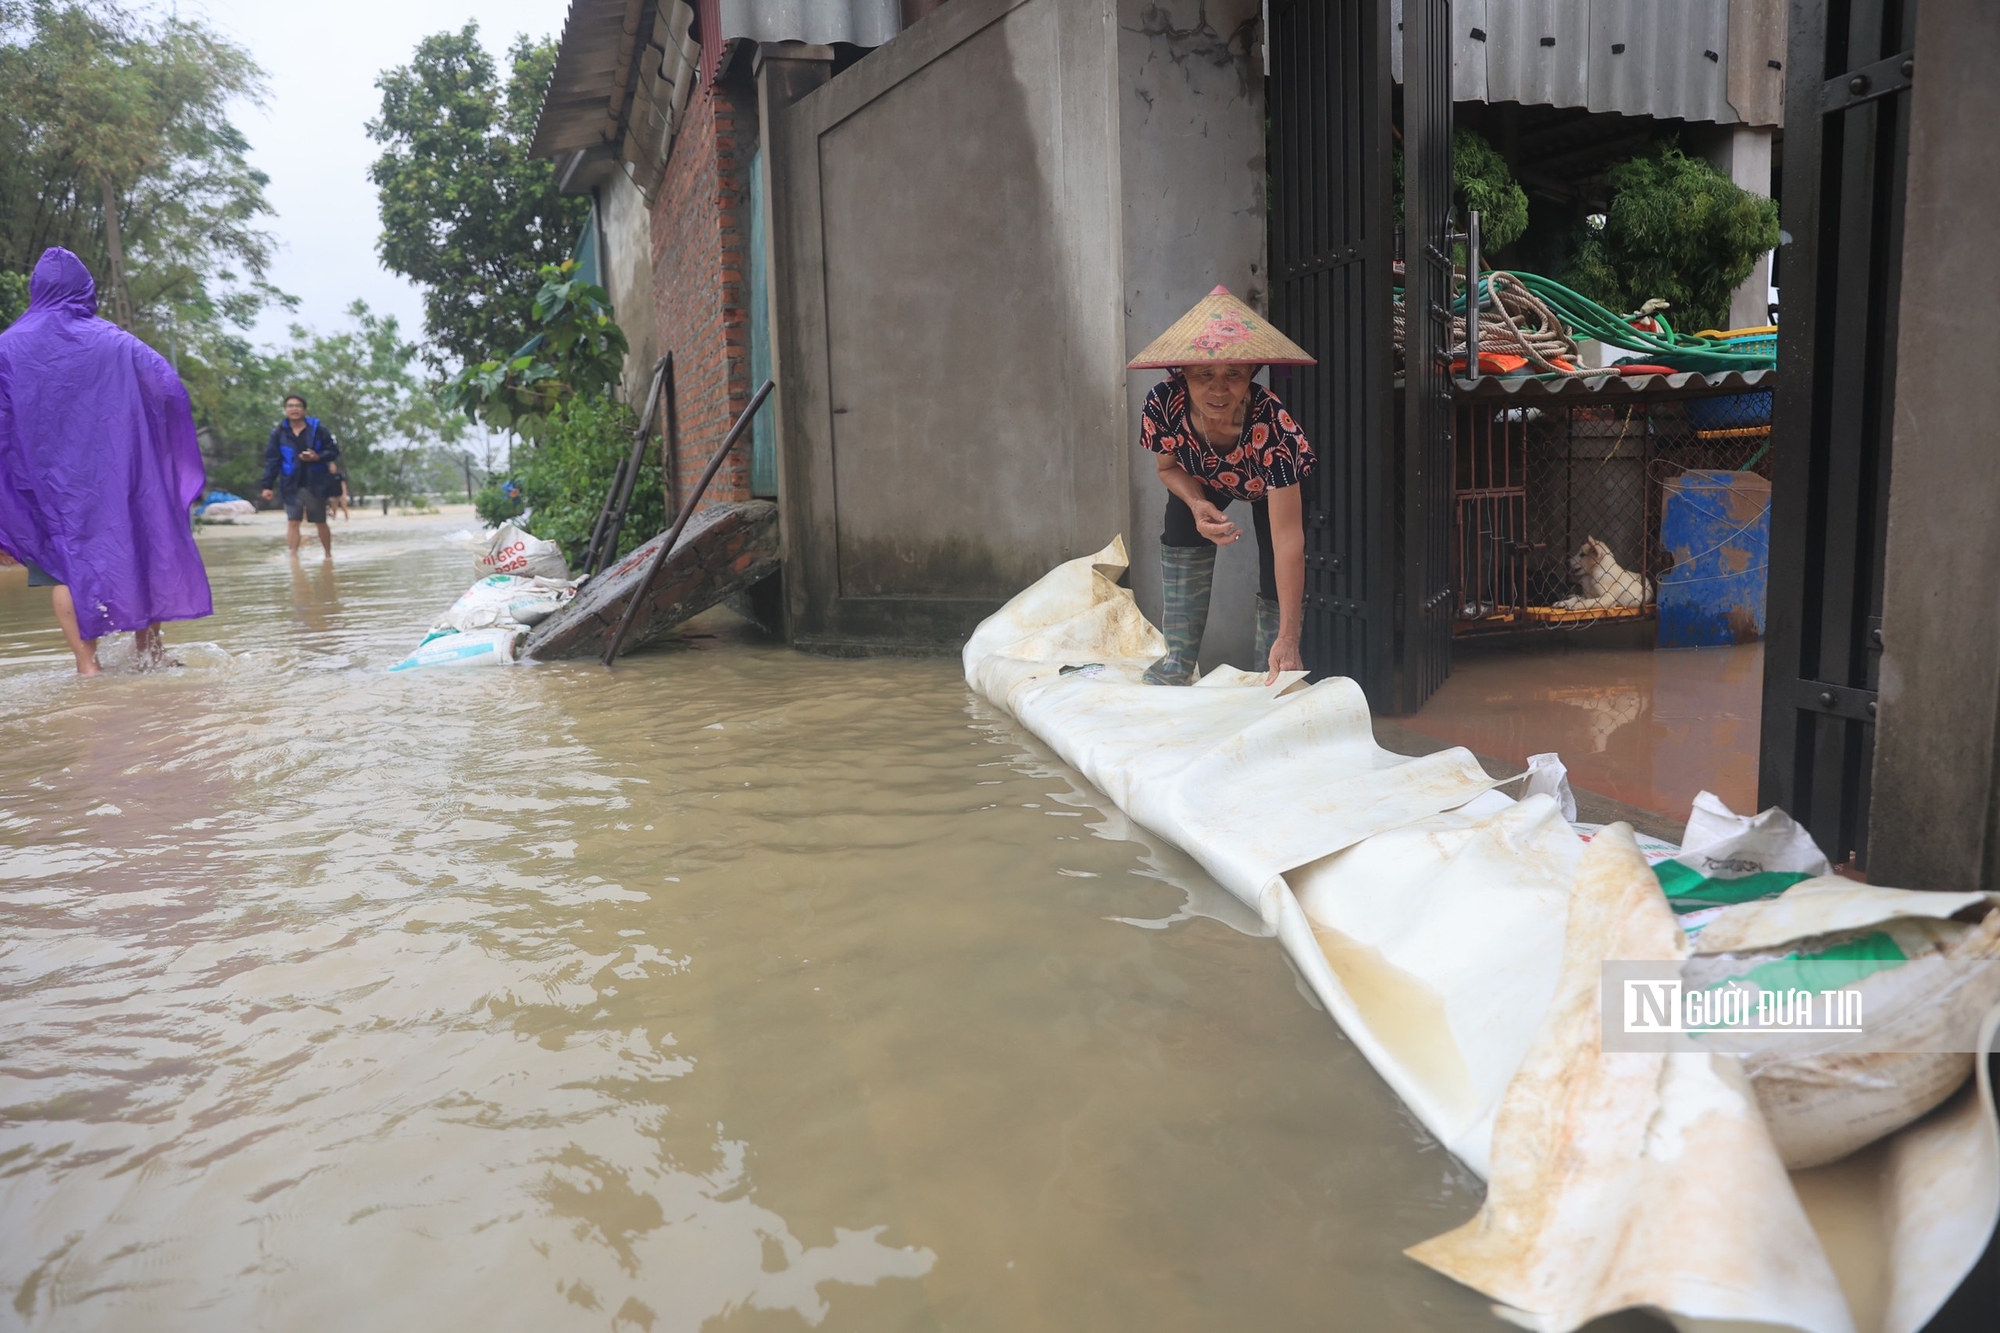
(305, 507)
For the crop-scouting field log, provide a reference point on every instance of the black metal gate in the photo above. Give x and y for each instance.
(1846, 146)
(1423, 594)
(1330, 228)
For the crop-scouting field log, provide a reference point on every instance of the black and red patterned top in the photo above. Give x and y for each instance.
(1271, 453)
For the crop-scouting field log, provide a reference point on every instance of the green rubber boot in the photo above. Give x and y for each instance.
(1267, 631)
(1187, 573)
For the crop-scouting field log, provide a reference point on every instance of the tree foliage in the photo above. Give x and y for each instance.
(565, 475)
(91, 94)
(1480, 179)
(1677, 230)
(101, 105)
(577, 351)
(466, 214)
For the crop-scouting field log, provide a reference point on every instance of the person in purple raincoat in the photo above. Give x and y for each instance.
(98, 465)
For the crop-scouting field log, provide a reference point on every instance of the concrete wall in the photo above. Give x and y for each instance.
(628, 275)
(950, 339)
(1743, 153)
(1191, 155)
(1934, 822)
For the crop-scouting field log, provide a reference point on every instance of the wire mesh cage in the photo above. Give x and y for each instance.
(1578, 508)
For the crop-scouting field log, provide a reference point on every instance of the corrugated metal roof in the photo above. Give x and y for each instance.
(576, 108)
(821, 22)
(1673, 61)
(1756, 60)
(1468, 55)
(1537, 51)
(625, 68)
(1676, 59)
(1683, 384)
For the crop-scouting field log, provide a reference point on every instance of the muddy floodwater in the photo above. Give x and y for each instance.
(736, 989)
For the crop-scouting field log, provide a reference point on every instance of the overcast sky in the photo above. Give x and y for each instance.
(322, 61)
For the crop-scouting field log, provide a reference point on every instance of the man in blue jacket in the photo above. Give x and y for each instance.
(296, 461)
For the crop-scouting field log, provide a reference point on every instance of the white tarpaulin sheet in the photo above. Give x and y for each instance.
(1456, 935)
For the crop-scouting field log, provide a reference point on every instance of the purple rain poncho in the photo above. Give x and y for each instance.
(98, 459)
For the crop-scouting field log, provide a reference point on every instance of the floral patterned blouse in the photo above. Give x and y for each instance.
(1270, 454)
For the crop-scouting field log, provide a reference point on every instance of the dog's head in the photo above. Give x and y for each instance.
(1590, 557)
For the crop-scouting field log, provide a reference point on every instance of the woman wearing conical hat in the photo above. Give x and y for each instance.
(1222, 438)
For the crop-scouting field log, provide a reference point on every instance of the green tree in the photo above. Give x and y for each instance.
(1677, 230)
(466, 214)
(565, 475)
(1479, 179)
(116, 143)
(576, 351)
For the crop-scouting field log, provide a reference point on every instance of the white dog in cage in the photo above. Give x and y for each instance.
(1604, 582)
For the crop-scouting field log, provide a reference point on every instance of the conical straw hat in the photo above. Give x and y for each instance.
(1220, 328)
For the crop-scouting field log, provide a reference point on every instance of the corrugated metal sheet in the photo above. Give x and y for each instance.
(1674, 61)
(1677, 60)
(1756, 60)
(1468, 55)
(622, 76)
(821, 22)
(577, 111)
(1536, 51)
(625, 69)
(1685, 383)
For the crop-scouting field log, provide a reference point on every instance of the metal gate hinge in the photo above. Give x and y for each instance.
(1856, 705)
(1892, 74)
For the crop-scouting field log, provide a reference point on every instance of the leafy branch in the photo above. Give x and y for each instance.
(578, 351)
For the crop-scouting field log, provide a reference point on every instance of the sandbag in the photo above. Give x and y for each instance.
(500, 600)
(1726, 858)
(1822, 1098)
(450, 648)
(1459, 937)
(513, 551)
(1754, 894)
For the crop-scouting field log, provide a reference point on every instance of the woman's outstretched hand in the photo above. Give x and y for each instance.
(1211, 523)
(1284, 657)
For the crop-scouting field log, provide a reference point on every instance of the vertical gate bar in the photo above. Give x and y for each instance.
(1328, 172)
(1785, 733)
(1844, 192)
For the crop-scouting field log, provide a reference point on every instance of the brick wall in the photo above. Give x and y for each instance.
(701, 277)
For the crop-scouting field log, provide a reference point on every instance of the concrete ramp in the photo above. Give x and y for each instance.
(726, 549)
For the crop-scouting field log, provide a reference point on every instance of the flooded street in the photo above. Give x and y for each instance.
(736, 989)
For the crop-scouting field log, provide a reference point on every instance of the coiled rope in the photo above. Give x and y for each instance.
(1531, 316)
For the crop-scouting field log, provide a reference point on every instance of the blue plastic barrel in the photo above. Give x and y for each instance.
(1718, 527)
(1730, 411)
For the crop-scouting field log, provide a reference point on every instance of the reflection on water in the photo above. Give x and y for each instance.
(737, 989)
(1650, 728)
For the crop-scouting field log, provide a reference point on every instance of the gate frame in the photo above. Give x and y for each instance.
(1424, 586)
(1846, 158)
(1331, 227)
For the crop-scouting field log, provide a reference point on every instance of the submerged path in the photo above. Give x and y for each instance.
(736, 989)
